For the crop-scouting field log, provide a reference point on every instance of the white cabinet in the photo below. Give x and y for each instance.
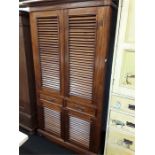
(120, 139)
(124, 58)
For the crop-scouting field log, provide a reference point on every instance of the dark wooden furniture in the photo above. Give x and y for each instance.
(70, 42)
(27, 113)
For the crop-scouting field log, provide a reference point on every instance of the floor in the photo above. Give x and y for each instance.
(38, 145)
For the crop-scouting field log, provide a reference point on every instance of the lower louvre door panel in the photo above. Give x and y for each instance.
(52, 121)
(51, 117)
(79, 131)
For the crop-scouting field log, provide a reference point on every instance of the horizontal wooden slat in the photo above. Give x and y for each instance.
(81, 92)
(47, 33)
(74, 60)
(83, 34)
(82, 30)
(85, 56)
(79, 36)
(85, 24)
(48, 50)
(49, 54)
(80, 45)
(78, 67)
(80, 134)
(49, 57)
(48, 30)
(80, 18)
(50, 64)
(50, 68)
(82, 42)
(48, 45)
(48, 27)
(42, 22)
(52, 38)
(84, 75)
(81, 39)
(81, 21)
(80, 122)
(50, 72)
(89, 49)
(49, 19)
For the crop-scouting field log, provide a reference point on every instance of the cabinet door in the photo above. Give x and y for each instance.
(48, 50)
(86, 37)
(85, 53)
(47, 37)
(50, 117)
(80, 128)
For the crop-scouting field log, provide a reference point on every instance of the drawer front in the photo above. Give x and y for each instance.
(116, 150)
(51, 99)
(123, 104)
(124, 122)
(123, 140)
(81, 108)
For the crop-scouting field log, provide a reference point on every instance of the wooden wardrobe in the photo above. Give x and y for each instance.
(27, 98)
(70, 42)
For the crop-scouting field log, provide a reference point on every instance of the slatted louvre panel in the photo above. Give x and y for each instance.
(52, 121)
(81, 47)
(48, 42)
(79, 131)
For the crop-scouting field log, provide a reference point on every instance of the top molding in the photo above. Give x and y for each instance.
(45, 3)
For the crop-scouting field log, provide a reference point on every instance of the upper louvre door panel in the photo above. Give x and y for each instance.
(81, 47)
(49, 51)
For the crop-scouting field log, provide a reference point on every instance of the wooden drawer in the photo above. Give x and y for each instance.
(81, 108)
(123, 104)
(117, 150)
(122, 121)
(121, 139)
(52, 99)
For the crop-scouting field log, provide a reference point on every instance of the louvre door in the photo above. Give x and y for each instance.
(85, 67)
(51, 117)
(48, 50)
(81, 38)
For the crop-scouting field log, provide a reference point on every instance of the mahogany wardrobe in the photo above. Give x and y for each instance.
(70, 41)
(27, 98)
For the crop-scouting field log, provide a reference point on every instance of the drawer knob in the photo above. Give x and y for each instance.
(131, 107)
(51, 100)
(127, 142)
(117, 105)
(117, 122)
(79, 108)
(132, 125)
